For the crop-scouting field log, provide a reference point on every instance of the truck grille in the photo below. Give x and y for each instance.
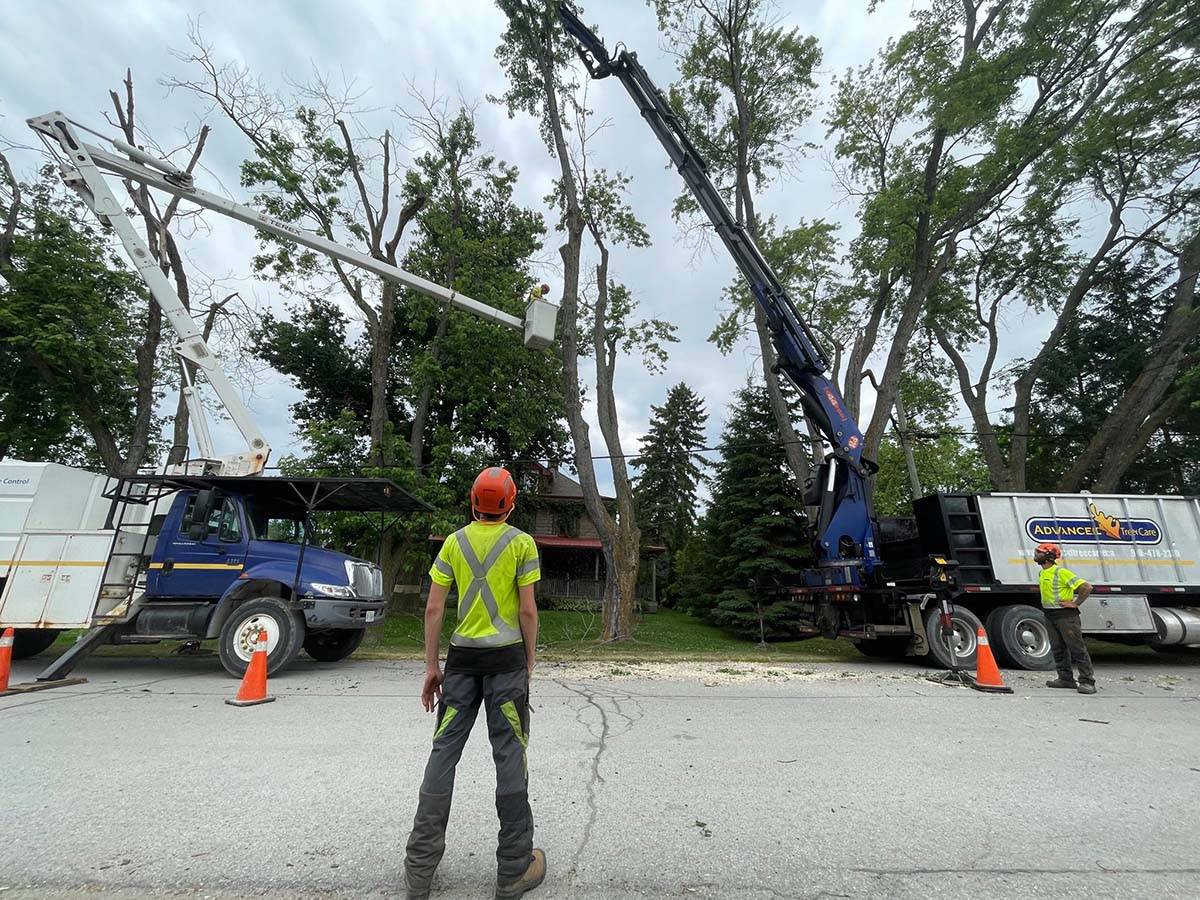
(366, 579)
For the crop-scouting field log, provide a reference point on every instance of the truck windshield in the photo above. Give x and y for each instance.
(271, 525)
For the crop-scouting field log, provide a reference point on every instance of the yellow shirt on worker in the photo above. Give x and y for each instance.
(1057, 583)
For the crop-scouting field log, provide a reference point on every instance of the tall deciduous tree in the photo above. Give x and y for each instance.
(310, 167)
(746, 89)
(1138, 159)
(461, 393)
(119, 449)
(989, 90)
(68, 308)
(534, 53)
(158, 221)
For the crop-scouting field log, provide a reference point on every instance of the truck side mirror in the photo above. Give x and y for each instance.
(202, 510)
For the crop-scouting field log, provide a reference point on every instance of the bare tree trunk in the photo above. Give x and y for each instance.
(622, 579)
(166, 252)
(620, 584)
(864, 345)
(1142, 410)
(925, 273)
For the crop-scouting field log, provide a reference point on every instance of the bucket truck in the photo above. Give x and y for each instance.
(202, 551)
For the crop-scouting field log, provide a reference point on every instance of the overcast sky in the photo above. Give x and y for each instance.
(67, 56)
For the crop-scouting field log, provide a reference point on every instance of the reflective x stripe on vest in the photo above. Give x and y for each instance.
(1061, 589)
(479, 591)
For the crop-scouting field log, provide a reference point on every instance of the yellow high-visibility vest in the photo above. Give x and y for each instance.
(488, 563)
(1057, 584)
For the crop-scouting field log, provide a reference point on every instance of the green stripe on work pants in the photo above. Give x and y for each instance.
(514, 719)
(450, 713)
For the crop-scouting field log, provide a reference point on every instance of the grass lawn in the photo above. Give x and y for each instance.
(665, 635)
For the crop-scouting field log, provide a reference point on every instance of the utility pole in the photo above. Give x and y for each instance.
(900, 424)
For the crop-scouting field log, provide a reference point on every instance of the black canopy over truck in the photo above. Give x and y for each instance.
(190, 557)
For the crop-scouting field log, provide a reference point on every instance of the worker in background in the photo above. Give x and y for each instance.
(539, 292)
(490, 659)
(1062, 592)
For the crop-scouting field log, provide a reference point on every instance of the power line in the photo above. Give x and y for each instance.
(918, 434)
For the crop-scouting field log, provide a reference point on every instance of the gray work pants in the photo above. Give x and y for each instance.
(1065, 631)
(506, 699)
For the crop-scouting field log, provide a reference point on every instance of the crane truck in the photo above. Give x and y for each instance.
(924, 585)
(212, 548)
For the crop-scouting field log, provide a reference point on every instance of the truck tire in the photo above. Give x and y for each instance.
(285, 635)
(29, 642)
(1019, 638)
(966, 630)
(884, 648)
(333, 644)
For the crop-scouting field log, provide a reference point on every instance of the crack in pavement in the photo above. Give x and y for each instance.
(602, 739)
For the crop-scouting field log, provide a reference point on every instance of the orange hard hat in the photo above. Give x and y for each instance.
(1052, 549)
(494, 491)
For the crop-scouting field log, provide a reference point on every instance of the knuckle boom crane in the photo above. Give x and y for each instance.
(844, 536)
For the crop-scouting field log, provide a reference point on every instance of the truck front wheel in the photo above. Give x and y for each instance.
(332, 644)
(239, 635)
(1019, 638)
(29, 642)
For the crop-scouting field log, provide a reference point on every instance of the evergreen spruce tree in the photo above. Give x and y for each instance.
(754, 528)
(670, 475)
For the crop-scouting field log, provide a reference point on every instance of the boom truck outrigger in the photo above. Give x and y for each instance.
(925, 585)
(202, 551)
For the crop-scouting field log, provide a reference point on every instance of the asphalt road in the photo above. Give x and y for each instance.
(845, 782)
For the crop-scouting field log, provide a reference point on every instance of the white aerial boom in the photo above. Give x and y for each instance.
(83, 169)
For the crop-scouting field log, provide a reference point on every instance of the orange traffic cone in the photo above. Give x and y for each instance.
(6, 643)
(254, 683)
(987, 673)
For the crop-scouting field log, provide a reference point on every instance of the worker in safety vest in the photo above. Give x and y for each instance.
(495, 567)
(1062, 592)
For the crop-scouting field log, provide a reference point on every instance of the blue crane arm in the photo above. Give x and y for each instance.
(845, 527)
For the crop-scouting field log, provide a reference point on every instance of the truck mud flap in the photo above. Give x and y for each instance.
(912, 614)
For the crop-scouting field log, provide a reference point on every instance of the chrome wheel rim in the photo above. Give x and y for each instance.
(245, 640)
(1033, 640)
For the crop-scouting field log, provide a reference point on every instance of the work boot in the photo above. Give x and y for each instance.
(532, 878)
(1086, 688)
(1062, 683)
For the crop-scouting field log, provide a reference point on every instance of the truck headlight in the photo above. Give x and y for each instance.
(344, 591)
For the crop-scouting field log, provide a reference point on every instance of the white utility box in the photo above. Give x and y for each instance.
(54, 549)
(55, 578)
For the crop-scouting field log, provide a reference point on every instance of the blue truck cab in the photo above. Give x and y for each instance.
(231, 559)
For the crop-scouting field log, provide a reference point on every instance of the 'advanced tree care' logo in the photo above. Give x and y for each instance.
(1100, 527)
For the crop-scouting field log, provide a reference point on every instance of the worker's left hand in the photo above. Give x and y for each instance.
(433, 687)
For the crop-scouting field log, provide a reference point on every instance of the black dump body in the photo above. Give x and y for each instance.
(945, 525)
